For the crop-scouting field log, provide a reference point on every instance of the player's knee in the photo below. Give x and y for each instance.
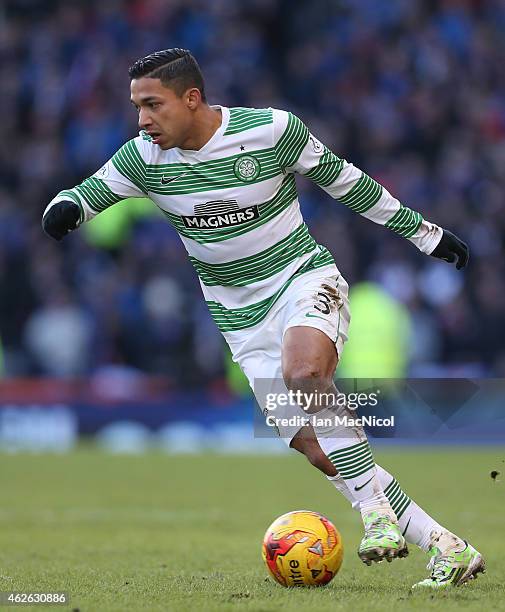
(307, 378)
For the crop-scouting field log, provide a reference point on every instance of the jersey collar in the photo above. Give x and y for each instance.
(225, 117)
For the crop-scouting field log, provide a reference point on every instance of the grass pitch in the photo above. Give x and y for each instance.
(157, 532)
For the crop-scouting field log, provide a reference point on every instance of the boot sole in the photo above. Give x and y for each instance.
(379, 553)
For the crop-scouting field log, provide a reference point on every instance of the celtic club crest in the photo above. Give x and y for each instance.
(247, 168)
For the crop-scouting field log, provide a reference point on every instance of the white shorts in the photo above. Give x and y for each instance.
(318, 299)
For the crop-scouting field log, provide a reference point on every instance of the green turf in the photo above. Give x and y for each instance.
(155, 532)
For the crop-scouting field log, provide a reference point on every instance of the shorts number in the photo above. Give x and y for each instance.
(323, 303)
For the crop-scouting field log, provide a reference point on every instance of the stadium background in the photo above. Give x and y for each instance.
(413, 92)
(105, 336)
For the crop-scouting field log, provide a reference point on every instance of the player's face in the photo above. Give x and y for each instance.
(165, 116)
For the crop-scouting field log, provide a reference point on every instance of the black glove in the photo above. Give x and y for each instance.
(61, 219)
(452, 249)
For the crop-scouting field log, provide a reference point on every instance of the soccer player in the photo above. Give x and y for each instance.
(224, 178)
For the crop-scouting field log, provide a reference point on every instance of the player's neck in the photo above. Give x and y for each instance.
(206, 122)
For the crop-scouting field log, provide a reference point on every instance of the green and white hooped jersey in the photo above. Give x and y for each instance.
(234, 204)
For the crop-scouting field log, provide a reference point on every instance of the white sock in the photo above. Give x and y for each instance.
(446, 541)
(348, 450)
(417, 526)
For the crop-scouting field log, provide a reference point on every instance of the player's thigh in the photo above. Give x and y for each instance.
(309, 357)
(316, 325)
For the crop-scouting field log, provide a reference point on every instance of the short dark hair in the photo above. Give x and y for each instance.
(176, 68)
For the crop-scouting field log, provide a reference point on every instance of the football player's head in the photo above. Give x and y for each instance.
(167, 89)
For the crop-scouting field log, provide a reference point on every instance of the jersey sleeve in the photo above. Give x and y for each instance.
(123, 176)
(297, 150)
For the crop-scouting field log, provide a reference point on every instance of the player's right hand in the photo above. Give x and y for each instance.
(61, 219)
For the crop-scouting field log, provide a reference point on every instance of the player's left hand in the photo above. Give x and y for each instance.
(452, 249)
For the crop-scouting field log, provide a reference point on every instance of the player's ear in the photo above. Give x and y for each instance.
(193, 97)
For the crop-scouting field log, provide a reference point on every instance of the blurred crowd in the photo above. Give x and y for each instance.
(411, 91)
